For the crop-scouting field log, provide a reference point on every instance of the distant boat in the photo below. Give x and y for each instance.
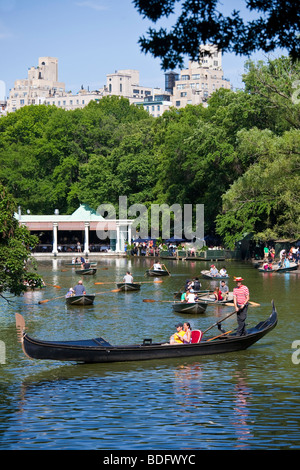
(189, 307)
(157, 272)
(206, 274)
(280, 269)
(98, 350)
(86, 271)
(128, 286)
(84, 299)
(92, 264)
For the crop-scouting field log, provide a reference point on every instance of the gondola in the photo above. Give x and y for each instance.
(278, 269)
(157, 272)
(85, 299)
(207, 275)
(98, 350)
(128, 287)
(87, 271)
(189, 307)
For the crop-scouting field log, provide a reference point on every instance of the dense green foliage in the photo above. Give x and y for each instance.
(15, 249)
(239, 156)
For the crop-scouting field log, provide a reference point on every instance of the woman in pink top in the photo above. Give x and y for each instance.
(241, 299)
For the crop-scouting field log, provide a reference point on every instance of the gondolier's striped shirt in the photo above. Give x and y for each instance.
(241, 294)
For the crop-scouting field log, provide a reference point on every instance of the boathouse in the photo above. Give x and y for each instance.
(84, 231)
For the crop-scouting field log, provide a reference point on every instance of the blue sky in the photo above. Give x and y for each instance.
(90, 38)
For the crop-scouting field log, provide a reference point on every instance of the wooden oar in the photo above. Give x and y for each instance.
(108, 291)
(152, 300)
(138, 282)
(48, 300)
(252, 304)
(219, 321)
(166, 269)
(215, 337)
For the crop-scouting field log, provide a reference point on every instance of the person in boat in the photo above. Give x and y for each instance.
(157, 266)
(187, 338)
(240, 299)
(213, 271)
(79, 289)
(86, 265)
(223, 272)
(177, 338)
(224, 290)
(218, 294)
(195, 285)
(70, 293)
(128, 278)
(190, 297)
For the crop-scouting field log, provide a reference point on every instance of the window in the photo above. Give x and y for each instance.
(185, 77)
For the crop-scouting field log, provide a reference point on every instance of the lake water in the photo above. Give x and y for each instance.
(246, 400)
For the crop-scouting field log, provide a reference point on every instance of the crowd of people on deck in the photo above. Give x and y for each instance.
(285, 258)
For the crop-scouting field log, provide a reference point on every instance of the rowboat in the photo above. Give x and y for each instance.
(277, 269)
(207, 299)
(84, 299)
(128, 287)
(206, 274)
(92, 264)
(86, 272)
(98, 350)
(189, 307)
(157, 272)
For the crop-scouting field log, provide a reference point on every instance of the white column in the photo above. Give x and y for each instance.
(118, 239)
(54, 249)
(129, 234)
(86, 238)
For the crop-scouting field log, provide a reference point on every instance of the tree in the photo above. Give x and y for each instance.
(265, 199)
(201, 22)
(15, 249)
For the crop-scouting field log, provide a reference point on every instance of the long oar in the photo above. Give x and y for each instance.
(48, 300)
(219, 336)
(107, 291)
(219, 321)
(252, 304)
(152, 300)
(138, 282)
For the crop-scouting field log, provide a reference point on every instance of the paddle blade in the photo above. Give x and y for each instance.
(149, 300)
(43, 301)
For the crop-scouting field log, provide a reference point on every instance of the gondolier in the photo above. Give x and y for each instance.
(241, 299)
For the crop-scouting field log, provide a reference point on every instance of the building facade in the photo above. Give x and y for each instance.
(41, 83)
(193, 85)
(200, 80)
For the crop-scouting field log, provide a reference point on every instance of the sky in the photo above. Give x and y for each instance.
(90, 38)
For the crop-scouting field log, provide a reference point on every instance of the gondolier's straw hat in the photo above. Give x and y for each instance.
(238, 279)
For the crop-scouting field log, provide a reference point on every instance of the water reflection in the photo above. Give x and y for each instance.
(219, 402)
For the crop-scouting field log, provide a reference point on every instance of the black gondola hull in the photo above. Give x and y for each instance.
(98, 351)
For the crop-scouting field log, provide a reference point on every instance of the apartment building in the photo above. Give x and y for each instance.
(193, 85)
(41, 83)
(200, 80)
